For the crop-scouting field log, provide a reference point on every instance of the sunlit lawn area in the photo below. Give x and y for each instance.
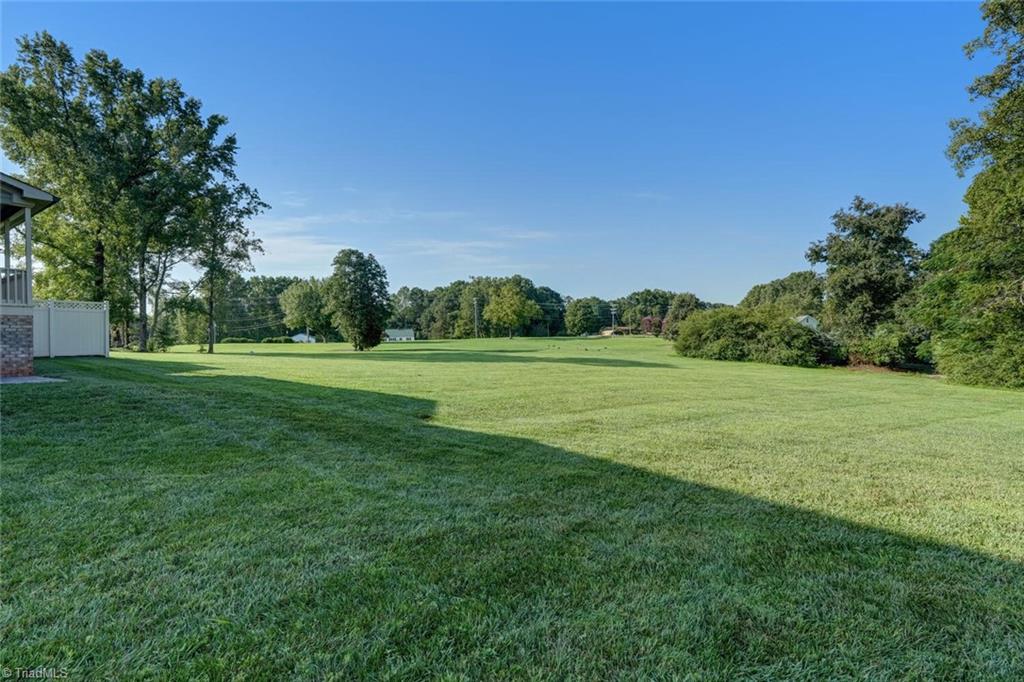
(533, 508)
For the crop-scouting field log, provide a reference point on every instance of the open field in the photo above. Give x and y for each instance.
(508, 509)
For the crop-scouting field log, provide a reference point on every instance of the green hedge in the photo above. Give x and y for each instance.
(761, 334)
(278, 339)
(236, 339)
(891, 345)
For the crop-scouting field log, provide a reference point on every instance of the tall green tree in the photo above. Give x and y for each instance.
(510, 308)
(973, 296)
(441, 316)
(640, 304)
(552, 312)
(225, 244)
(60, 123)
(870, 264)
(130, 157)
(357, 298)
(261, 304)
(304, 306)
(798, 293)
(408, 305)
(581, 316)
(682, 306)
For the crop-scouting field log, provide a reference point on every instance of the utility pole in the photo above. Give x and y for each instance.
(476, 317)
(612, 306)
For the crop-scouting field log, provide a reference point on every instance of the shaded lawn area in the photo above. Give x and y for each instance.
(588, 509)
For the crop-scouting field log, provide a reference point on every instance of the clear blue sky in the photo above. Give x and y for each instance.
(596, 148)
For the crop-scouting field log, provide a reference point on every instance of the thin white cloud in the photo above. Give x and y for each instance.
(520, 234)
(356, 216)
(300, 255)
(478, 251)
(649, 195)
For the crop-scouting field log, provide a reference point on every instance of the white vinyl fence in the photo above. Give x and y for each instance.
(63, 328)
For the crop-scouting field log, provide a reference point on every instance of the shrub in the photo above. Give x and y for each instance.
(891, 345)
(236, 339)
(278, 339)
(759, 335)
(977, 357)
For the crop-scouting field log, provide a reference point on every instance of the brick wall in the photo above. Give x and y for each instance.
(15, 345)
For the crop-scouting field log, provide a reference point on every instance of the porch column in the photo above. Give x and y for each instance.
(28, 255)
(8, 285)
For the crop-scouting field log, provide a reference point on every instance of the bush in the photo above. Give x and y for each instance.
(891, 345)
(981, 356)
(236, 339)
(758, 335)
(278, 339)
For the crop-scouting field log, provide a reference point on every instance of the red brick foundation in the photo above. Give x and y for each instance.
(16, 345)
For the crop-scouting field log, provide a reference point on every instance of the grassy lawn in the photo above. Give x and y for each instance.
(508, 509)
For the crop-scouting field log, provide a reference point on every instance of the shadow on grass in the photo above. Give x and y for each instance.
(207, 525)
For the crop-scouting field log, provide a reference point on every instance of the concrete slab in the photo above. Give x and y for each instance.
(30, 380)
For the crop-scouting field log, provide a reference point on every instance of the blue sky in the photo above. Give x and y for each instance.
(596, 148)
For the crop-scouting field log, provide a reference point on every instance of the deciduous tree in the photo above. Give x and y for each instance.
(225, 244)
(973, 296)
(357, 298)
(510, 309)
(798, 293)
(870, 264)
(581, 316)
(304, 305)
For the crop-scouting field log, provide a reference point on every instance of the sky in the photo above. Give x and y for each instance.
(595, 148)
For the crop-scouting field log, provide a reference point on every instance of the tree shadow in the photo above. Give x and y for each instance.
(273, 527)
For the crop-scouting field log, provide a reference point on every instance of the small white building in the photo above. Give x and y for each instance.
(808, 321)
(302, 337)
(392, 335)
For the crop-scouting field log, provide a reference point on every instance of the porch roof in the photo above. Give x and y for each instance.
(16, 195)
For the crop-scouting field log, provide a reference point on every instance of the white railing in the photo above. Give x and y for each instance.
(13, 286)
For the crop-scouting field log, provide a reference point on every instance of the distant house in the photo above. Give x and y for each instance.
(808, 321)
(303, 338)
(392, 335)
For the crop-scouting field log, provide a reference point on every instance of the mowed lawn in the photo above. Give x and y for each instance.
(536, 508)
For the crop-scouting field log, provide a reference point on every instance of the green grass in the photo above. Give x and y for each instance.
(508, 509)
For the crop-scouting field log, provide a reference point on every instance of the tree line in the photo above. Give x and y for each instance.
(147, 182)
(958, 306)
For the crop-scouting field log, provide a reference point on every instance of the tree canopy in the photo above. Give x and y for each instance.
(139, 168)
(584, 315)
(304, 306)
(798, 293)
(870, 264)
(973, 296)
(357, 298)
(509, 308)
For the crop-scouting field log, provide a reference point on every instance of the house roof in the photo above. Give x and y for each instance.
(16, 195)
(399, 332)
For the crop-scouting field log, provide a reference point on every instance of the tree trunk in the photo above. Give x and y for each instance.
(158, 288)
(99, 264)
(143, 316)
(211, 324)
